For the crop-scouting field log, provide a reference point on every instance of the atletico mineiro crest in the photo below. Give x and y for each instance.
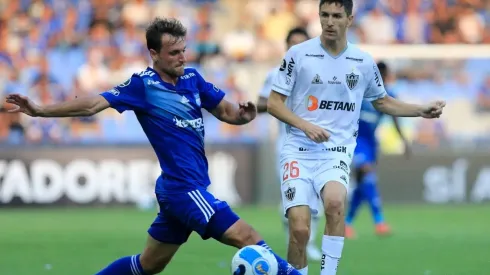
(290, 193)
(352, 80)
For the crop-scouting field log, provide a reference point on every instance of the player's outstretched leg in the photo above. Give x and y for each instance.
(152, 261)
(240, 234)
(334, 194)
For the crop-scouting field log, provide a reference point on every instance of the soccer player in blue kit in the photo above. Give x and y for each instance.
(365, 158)
(167, 100)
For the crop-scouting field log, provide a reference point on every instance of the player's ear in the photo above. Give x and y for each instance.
(350, 20)
(154, 55)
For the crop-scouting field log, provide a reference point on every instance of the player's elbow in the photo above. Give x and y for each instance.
(94, 105)
(382, 105)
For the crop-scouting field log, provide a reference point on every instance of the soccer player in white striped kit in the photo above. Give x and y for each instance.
(318, 93)
(295, 36)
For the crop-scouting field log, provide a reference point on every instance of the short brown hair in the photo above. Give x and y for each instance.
(161, 26)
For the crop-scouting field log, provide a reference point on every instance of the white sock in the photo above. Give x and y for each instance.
(304, 270)
(332, 251)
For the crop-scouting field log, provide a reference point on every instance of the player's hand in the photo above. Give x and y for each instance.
(247, 110)
(316, 133)
(433, 109)
(23, 105)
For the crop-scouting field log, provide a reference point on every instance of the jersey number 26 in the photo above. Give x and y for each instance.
(291, 170)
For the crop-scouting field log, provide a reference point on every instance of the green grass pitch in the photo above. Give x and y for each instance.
(427, 240)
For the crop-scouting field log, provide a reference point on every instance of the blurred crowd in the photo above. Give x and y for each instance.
(54, 50)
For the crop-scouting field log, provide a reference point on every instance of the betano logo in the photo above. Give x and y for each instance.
(312, 103)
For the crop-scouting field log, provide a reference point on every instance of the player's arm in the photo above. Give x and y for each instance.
(282, 87)
(276, 107)
(384, 103)
(262, 105)
(264, 93)
(85, 106)
(126, 96)
(395, 107)
(212, 99)
(233, 114)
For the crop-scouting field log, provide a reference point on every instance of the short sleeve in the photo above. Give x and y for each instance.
(285, 78)
(267, 86)
(127, 96)
(210, 95)
(391, 92)
(375, 88)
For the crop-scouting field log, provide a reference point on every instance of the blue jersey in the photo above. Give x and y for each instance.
(369, 121)
(171, 118)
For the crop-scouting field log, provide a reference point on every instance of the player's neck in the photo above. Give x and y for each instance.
(334, 47)
(165, 77)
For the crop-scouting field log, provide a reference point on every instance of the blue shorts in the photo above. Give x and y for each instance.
(181, 213)
(365, 153)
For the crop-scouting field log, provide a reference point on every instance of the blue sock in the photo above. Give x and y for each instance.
(355, 202)
(371, 193)
(284, 267)
(125, 266)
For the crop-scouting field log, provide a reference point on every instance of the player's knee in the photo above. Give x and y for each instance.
(334, 206)
(299, 233)
(299, 220)
(241, 234)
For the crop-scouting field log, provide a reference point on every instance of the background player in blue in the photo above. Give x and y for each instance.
(365, 158)
(167, 100)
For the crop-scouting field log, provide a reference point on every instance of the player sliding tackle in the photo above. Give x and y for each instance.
(324, 81)
(167, 100)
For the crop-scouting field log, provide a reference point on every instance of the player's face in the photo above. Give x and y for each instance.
(171, 58)
(334, 21)
(296, 39)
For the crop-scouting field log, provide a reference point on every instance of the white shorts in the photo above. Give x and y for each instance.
(302, 180)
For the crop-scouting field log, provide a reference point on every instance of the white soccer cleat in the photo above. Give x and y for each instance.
(313, 252)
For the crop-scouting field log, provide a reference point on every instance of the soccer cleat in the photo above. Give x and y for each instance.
(382, 229)
(313, 252)
(240, 270)
(349, 232)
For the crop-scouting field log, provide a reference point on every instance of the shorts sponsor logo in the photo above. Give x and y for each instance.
(343, 166)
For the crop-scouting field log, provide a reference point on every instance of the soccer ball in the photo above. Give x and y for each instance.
(254, 260)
